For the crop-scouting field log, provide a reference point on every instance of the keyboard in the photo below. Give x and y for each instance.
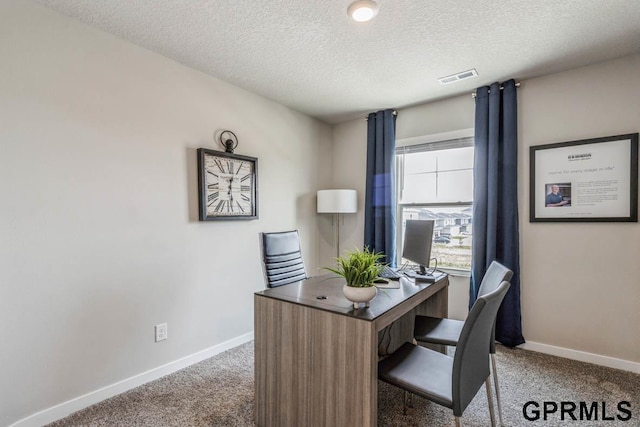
(389, 273)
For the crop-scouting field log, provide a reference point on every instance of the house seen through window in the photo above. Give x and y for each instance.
(435, 181)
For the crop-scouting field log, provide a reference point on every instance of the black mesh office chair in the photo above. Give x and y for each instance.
(282, 258)
(435, 330)
(452, 382)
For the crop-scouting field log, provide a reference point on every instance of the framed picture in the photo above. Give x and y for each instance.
(227, 186)
(591, 180)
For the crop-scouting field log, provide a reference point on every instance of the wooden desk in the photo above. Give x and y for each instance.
(316, 358)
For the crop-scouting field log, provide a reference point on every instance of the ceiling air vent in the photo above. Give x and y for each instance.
(459, 76)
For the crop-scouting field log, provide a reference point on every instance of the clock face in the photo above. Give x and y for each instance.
(227, 186)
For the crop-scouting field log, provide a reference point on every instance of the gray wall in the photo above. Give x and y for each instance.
(580, 281)
(99, 225)
(580, 289)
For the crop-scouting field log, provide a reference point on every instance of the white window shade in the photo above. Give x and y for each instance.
(337, 201)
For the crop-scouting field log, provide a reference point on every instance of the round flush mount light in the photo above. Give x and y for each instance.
(363, 10)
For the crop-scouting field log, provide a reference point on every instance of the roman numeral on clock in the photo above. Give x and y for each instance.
(212, 197)
(220, 206)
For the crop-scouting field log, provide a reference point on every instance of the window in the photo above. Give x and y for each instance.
(435, 181)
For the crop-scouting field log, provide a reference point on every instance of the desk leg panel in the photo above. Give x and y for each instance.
(344, 385)
(437, 305)
(282, 356)
(313, 367)
(395, 334)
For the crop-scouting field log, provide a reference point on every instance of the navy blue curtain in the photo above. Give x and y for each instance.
(380, 194)
(495, 201)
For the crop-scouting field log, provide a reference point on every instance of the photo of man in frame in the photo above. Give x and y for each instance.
(557, 195)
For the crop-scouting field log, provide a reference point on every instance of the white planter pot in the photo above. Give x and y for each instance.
(358, 295)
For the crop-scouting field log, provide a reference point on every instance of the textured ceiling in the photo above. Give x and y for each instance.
(307, 54)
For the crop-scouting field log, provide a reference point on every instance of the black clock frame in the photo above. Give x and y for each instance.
(202, 191)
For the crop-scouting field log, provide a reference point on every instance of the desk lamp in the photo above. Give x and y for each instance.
(337, 202)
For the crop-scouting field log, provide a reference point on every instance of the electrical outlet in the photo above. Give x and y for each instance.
(161, 332)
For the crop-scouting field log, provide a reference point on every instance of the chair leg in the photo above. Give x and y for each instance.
(490, 401)
(497, 387)
(458, 422)
(407, 402)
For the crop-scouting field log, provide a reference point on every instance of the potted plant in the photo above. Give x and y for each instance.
(359, 269)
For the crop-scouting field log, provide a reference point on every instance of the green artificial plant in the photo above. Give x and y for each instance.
(359, 268)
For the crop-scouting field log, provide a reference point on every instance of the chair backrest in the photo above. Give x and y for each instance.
(495, 274)
(282, 258)
(471, 360)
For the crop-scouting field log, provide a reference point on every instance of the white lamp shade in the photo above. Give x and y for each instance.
(337, 201)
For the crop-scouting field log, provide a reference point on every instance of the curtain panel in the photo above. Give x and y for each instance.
(380, 193)
(495, 201)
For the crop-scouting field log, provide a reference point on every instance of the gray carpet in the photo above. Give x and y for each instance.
(219, 392)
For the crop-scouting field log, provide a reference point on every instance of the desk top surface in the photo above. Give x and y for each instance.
(325, 293)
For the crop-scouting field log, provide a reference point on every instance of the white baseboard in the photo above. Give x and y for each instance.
(64, 409)
(597, 359)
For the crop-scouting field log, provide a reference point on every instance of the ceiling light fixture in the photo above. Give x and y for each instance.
(363, 10)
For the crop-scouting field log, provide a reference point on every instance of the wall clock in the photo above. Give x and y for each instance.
(227, 185)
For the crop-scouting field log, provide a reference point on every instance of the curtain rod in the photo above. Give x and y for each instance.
(395, 113)
(473, 94)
